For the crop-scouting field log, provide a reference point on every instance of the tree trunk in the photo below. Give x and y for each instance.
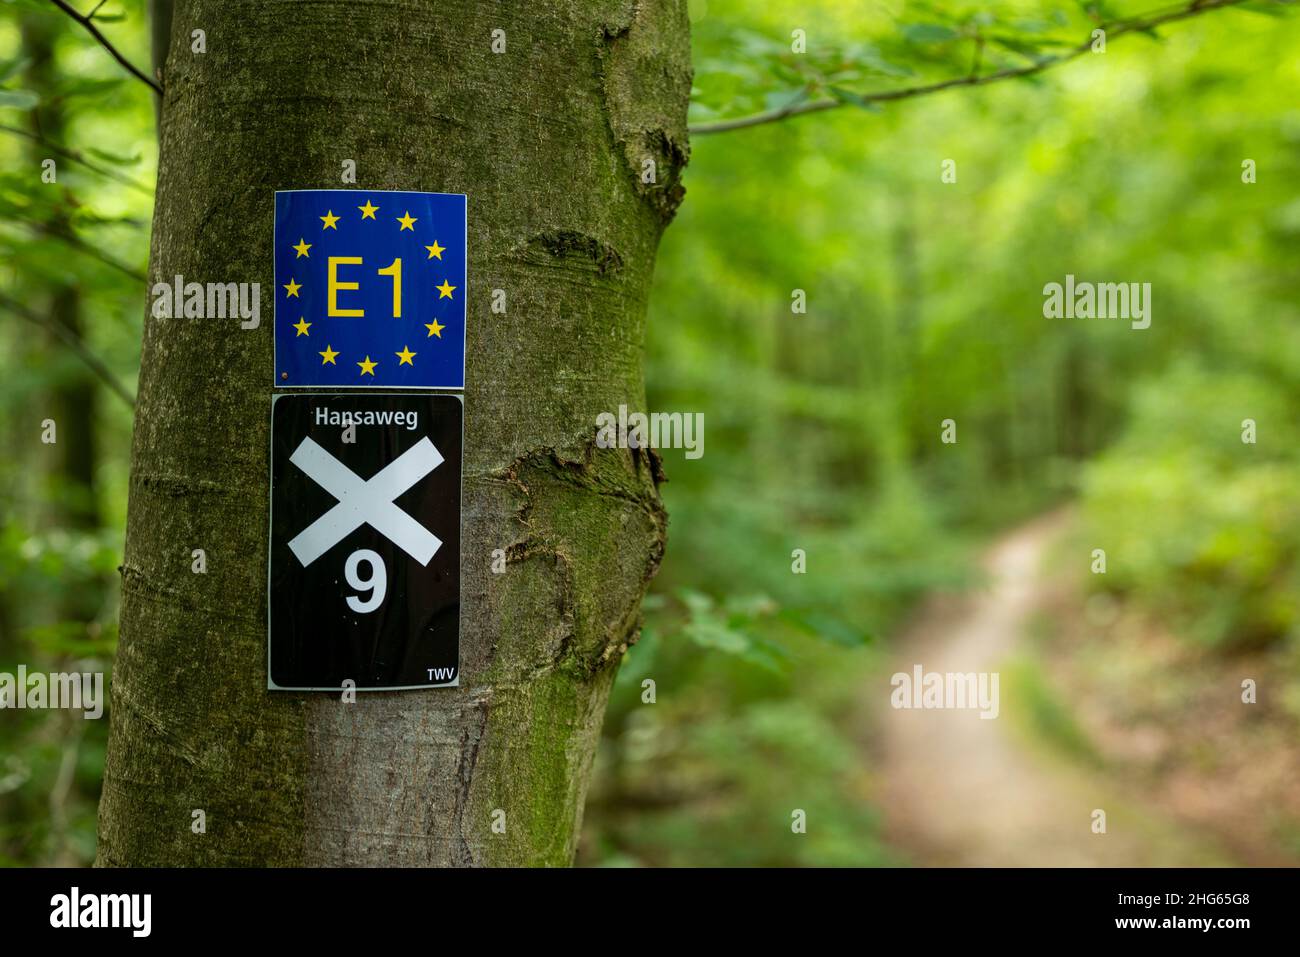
(73, 395)
(549, 139)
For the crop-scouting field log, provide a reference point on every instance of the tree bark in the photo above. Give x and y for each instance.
(549, 140)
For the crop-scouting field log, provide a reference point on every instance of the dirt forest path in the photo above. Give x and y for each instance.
(959, 790)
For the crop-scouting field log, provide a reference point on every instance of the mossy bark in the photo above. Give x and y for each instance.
(550, 140)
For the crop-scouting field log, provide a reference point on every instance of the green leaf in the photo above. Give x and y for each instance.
(749, 606)
(928, 32)
(1269, 9)
(116, 158)
(654, 601)
(89, 86)
(1025, 48)
(19, 99)
(1096, 8)
(826, 627)
(855, 99)
(709, 632)
(13, 68)
(783, 99)
(865, 55)
(696, 601)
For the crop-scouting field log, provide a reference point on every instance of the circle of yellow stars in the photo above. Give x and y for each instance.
(303, 249)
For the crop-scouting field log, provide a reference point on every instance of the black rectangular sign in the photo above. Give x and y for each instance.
(364, 573)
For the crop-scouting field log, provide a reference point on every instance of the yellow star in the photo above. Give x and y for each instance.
(329, 219)
(444, 291)
(406, 355)
(368, 211)
(434, 329)
(302, 248)
(302, 326)
(330, 355)
(367, 367)
(408, 221)
(435, 251)
(291, 288)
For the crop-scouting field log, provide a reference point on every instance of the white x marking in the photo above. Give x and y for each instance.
(366, 501)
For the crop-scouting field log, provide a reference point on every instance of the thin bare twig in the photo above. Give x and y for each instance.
(79, 244)
(76, 157)
(1138, 24)
(93, 30)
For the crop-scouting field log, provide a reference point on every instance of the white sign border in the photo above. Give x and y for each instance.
(275, 302)
(270, 525)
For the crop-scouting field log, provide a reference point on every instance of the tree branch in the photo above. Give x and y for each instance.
(1118, 28)
(79, 244)
(93, 30)
(76, 157)
(76, 345)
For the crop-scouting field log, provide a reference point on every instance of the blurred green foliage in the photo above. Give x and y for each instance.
(924, 302)
(1047, 717)
(1205, 528)
(72, 257)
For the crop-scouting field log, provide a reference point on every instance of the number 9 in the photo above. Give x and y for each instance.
(377, 580)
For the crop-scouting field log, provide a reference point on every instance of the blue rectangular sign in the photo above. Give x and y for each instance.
(370, 289)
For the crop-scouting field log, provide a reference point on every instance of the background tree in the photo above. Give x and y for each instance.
(62, 404)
